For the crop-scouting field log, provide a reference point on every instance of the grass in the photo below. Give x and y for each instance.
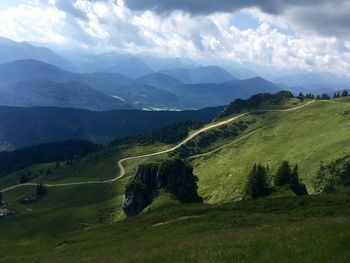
(88, 201)
(81, 224)
(289, 229)
(308, 136)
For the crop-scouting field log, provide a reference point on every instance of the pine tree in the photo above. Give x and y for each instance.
(24, 179)
(345, 93)
(336, 95)
(49, 171)
(257, 185)
(41, 190)
(296, 186)
(283, 174)
(325, 96)
(1, 198)
(290, 176)
(301, 96)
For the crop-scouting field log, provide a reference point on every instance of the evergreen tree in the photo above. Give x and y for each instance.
(257, 185)
(336, 95)
(301, 96)
(282, 176)
(41, 190)
(296, 186)
(325, 96)
(24, 179)
(309, 96)
(1, 198)
(49, 171)
(290, 176)
(345, 93)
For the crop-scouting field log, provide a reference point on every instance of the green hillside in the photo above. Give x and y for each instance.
(309, 136)
(302, 229)
(86, 218)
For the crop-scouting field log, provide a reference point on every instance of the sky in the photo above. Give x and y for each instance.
(311, 35)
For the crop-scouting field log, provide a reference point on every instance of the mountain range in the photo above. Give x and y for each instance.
(183, 69)
(117, 91)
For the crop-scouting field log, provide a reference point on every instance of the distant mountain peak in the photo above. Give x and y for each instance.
(131, 67)
(207, 74)
(11, 51)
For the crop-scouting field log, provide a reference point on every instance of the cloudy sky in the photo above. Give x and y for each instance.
(287, 34)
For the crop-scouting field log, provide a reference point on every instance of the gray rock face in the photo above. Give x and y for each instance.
(141, 190)
(173, 175)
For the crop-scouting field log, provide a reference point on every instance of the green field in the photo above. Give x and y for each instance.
(290, 229)
(83, 223)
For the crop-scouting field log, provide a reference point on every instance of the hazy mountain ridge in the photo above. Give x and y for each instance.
(155, 90)
(314, 82)
(11, 51)
(71, 94)
(209, 74)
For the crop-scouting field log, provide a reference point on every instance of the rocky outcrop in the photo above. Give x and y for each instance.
(139, 193)
(174, 176)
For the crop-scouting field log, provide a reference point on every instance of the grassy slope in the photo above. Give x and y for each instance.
(74, 214)
(289, 229)
(317, 133)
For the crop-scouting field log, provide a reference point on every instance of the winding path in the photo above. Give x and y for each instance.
(190, 137)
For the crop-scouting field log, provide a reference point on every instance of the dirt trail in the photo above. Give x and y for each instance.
(190, 137)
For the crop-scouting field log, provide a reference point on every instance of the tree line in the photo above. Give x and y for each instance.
(323, 96)
(169, 134)
(44, 153)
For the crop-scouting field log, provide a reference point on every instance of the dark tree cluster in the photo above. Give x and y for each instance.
(44, 153)
(337, 95)
(287, 175)
(41, 190)
(331, 176)
(258, 183)
(170, 134)
(301, 96)
(25, 178)
(255, 102)
(323, 96)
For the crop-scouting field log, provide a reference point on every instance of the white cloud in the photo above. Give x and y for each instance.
(32, 23)
(207, 38)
